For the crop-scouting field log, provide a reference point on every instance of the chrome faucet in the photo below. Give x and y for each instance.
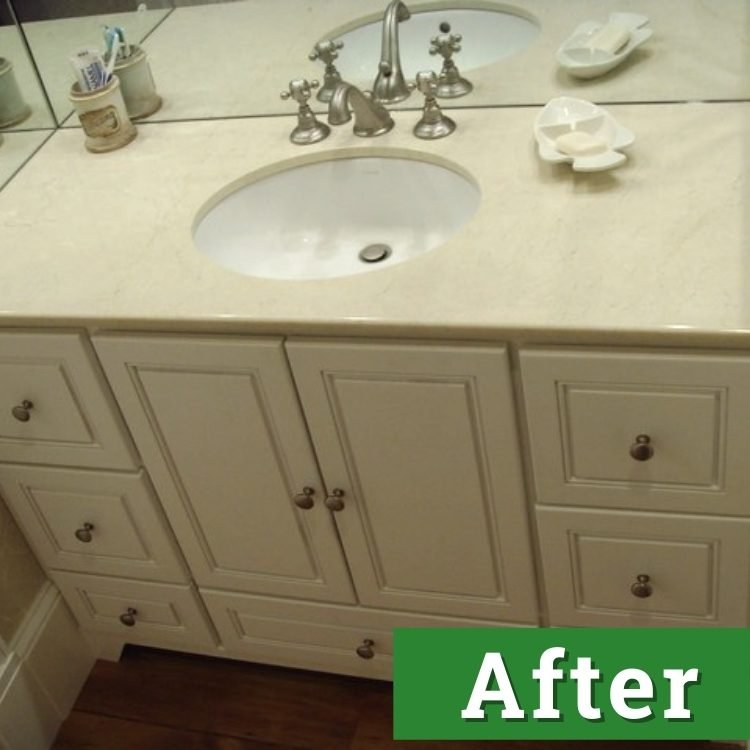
(370, 117)
(390, 85)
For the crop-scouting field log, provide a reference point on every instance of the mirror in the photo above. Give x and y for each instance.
(25, 119)
(232, 59)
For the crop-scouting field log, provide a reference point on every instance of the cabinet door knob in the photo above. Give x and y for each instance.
(334, 500)
(366, 651)
(642, 588)
(641, 449)
(22, 411)
(305, 499)
(84, 533)
(127, 618)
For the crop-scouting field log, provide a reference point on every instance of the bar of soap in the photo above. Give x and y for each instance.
(579, 143)
(610, 38)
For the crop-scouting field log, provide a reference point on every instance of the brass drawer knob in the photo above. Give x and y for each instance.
(642, 588)
(366, 651)
(334, 501)
(305, 499)
(22, 411)
(641, 449)
(127, 618)
(84, 533)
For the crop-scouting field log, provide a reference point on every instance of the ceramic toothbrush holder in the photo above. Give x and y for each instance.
(138, 88)
(103, 116)
(13, 108)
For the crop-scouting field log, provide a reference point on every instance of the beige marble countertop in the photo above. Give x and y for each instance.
(16, 148)
(658, 247)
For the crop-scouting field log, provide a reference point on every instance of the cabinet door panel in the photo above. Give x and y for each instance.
(219, 427)
(70, 418)
(127, 535)
(164, 614)
(696, 568)
(590, 411)
(422, 441)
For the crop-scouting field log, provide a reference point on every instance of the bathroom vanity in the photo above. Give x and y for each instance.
(540, 422)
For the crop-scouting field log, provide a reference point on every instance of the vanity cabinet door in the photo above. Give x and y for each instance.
(421, 441)
(55, 407)
(219, 427)
(656, 431)
(606, 568)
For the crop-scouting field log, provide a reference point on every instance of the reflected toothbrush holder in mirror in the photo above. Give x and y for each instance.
(103, 116)
(13, 108)
(137, 82)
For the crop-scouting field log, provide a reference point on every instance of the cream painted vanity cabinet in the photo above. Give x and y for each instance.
(310, 495)
(325, 492)
(642, 479)
(71, 479)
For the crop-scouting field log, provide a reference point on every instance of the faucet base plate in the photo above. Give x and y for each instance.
(304, 136)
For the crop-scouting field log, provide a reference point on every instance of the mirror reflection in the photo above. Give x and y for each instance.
(25, 119)
(22, 102)
(229, 59)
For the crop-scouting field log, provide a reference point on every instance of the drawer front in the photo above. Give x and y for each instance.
(649, 431)
(92, 522)
(315, 636)
(136, 611)
(55, 407)
(644, 569)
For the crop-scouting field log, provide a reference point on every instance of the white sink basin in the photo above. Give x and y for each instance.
(313, 221)
(488, 36)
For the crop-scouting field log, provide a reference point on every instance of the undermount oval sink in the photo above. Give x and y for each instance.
(488, 36)
(334, 218)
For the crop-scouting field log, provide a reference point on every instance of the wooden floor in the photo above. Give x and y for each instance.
(158, 700)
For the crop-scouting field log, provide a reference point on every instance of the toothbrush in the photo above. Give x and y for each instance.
(114, 35)
(112, 59)
(125, 46)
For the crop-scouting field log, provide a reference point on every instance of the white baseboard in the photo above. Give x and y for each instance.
(40, 680)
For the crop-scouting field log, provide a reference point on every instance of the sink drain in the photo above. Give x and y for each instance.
(375, 253)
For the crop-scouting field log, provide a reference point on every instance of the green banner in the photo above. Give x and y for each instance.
(595, 683)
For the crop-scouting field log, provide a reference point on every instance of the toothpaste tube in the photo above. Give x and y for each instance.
(89, 68)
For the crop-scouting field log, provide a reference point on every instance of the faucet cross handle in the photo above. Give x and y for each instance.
(445, 45)
(433, 124)
(426, 83)
(308, 129)
(300, 89)
(451, 83)
(327, 51)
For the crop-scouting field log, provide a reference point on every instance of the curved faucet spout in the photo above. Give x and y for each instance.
(390, 85)
(370, 118)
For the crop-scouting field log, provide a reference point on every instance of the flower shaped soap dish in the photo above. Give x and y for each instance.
(594, 48)
(581, 133)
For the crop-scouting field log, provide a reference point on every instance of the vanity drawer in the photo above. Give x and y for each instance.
(639, 430)
(92, 522)
(311, 635)
(155, 614)
(694, 571)
(54, 404)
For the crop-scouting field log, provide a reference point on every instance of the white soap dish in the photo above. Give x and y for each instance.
(582, 134)
(594, 48)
